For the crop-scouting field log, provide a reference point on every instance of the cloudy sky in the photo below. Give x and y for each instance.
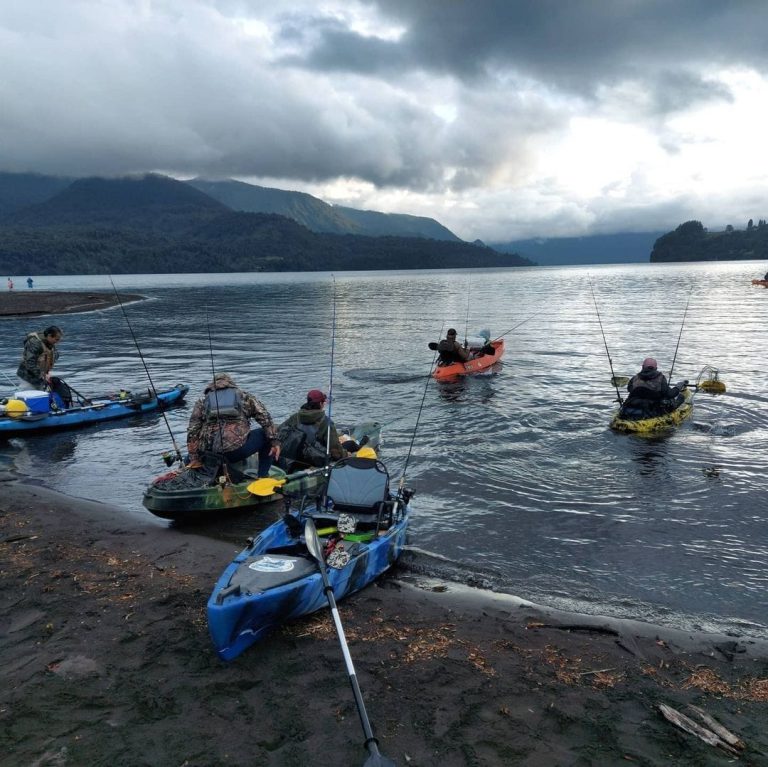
(502, 119)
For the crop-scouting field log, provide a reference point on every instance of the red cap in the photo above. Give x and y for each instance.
(649, 363)
(315, 395)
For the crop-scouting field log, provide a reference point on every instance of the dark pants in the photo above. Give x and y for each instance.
(257, 442)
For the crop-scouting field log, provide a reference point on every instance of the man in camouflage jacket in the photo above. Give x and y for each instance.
(220, 426)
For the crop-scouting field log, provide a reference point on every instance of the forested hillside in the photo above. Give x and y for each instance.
(692, 242)
(155, 224)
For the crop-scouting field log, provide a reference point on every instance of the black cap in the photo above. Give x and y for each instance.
(451, 332)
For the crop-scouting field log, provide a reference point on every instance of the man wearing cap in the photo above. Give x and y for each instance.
(220, 426)
(650, 391)
(313, 422)
(450, 350)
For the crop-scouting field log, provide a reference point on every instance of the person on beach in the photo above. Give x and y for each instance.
(220, 427)
(37, 360)
(305, 434)
(650, 392)
(450, 350)
(10, 284)
(30, 283)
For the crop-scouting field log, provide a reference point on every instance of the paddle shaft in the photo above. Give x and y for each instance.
(370, 742)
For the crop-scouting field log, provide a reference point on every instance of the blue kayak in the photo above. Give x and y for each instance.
(102, 408)
(362, 527)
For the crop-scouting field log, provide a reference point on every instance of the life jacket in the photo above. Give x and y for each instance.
(223, 405)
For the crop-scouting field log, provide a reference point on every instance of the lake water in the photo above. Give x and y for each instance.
(520, 484)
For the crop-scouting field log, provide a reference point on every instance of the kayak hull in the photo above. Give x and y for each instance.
(649, 426)
(182, 497)
(275, 580)
(105, 408)
(476, 366)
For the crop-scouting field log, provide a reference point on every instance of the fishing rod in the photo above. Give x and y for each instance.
(330, 383)
(690, 293)
(418, 417)
(466, 322)
(610, 361)
(216, 396)
(146, 370)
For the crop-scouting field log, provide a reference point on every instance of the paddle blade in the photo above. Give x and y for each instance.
(432, 345)
(312, 541)
(378, 760)
(619, 381)
(265, 486)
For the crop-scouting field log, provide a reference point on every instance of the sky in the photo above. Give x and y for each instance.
(502, 119)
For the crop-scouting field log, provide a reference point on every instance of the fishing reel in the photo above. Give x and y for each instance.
(169, 458)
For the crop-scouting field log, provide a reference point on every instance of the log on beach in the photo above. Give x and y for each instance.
(106, 659)
(36, 303)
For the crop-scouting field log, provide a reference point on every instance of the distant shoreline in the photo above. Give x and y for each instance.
(37, 303)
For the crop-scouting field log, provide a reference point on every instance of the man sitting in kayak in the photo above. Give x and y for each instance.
(450, 350)
(650, 394)
(305, 435)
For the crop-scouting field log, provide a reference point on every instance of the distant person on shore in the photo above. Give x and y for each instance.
(649, 392)
(10, 284)
(220, 427)
(38, 358)
(450, 350)
(30, 283)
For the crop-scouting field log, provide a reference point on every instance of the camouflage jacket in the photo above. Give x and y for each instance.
(205, 434)
(37, 359)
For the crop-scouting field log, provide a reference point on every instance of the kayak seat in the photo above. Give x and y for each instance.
(358, 487)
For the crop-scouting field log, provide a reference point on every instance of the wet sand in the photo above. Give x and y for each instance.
(107, 661)
(35, 303)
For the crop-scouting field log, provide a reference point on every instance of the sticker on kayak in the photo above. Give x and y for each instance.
(272, 565)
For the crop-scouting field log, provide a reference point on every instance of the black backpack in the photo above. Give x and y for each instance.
(298, 443)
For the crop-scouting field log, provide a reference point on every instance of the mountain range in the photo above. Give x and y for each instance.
(155, 223)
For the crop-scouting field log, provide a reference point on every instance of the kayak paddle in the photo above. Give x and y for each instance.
(265, 485)
(375, 758)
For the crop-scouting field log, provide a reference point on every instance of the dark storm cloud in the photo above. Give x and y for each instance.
(576, 46)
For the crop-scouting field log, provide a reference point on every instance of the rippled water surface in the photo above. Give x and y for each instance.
(520, 484)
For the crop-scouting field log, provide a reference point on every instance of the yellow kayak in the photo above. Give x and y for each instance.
(657, 423)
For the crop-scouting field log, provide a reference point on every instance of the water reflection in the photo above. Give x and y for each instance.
(517, 473)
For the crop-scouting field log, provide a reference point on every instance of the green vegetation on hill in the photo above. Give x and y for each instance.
(692, 242)
(155, 224)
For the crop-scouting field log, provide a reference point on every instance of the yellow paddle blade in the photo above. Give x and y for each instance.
(619, 381)
(265, 485)
(713, 386)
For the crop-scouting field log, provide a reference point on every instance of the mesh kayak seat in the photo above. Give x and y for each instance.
(358, 487)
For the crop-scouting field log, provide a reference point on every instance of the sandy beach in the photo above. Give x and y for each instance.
(107, 661)
(35, 303)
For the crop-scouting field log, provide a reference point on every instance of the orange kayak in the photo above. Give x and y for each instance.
(478, 364)
(764, 283)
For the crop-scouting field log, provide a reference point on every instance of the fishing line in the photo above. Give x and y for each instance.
(690, 292)
(418, 415)
(146, 370)
(330, 383)
(522, 322)
(610, 361)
